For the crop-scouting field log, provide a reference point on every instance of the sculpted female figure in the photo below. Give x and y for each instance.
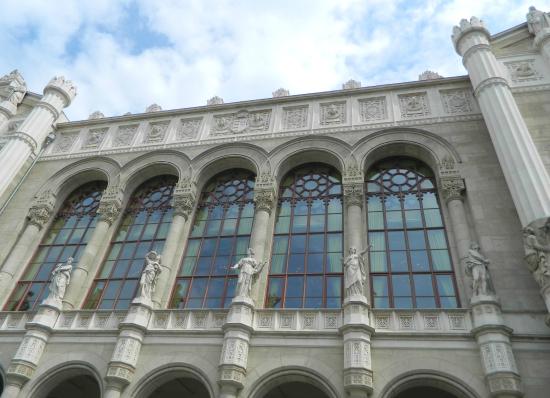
(149, 276)
(61, 277)
(476, 267)
(355, 273)
(536, 256)
(248, 267)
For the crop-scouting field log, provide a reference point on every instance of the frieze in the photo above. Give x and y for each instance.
(372, 109)
(241, 122)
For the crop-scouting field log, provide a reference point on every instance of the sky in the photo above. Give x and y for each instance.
(128, 54)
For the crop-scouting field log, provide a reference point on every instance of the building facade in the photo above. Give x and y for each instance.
(398, 238)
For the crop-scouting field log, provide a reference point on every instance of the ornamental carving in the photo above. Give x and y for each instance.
(295, 117)
(30, 350)
(429, 75)
(110, 204)
(357, 354)
(156, 132)
(64, 142)
(333, 113)
(96, 115)
(353, 194)
(414, 105)
(351, 84)
(457, 101)
(498, 357)
(264, 200)
(215, 101)
(281, 92)
(241, 122)
(124, 136)
(94, 138)
(42, 209)
(127, 350)
(522, 71)
(183, 200)
(452, 188)
(235, 352)
(188, 129)
(372, 109)
(536, 244)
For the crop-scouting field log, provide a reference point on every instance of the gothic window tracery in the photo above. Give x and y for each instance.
(144, 227)
(67, 237)
(306, 261)
(410, 266)
(218, 239)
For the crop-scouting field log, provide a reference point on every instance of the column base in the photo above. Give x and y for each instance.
(19, 372)
(11, 391)
(119, 375)
(231, 377)
(358, 382)
(505, 384)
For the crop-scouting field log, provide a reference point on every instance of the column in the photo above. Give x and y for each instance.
(126, 353)
(538, 23)
(452, 188)
(28, 355)
(58, 94)
(183, 203)
(84, 272)
(525, 174)
(356, 329)
(265, 199)
(17, 89)
(491, 334)
(39, 215)
(236, 342)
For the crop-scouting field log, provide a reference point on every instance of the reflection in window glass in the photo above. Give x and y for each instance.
(410, 265)
(67, 237)
(144, 226)
(306, 261)
(219, 238)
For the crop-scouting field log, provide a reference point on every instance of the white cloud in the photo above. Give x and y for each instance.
(236, 49)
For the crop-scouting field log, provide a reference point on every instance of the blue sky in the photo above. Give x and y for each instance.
(125, 55)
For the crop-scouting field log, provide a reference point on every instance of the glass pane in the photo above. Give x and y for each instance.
(403, 302)
(416, 240)
(150, 229)
(423, 285)
(374, 203)
(318, 207)
(411, 202)
(396, 240)
(198, 228)
(436, 237)
(378, 262)
(229, 226)
(419, 260)
(213, 227)
(381, 302)
(282, 226)
(295, 286)
(278, 263)
(298, 244)
(136, 268)
(315, 263)
(380, 286)
(441, 261)
(377, 240)
(203, 266)
(398, 261)
(392, 203)
(429, 201)
(334, 262)
(445, 285)
(208, 247)
(317, 223)
(296, 263)
(275, 293)
(193, 247)
(128, 289)
(221, 265)
(316, 244)
(425, 302)
(448, 302)
(112, 290)
(314, 292)
(413, 219)
(180, 292)
(188, 266)
(401, 285)
(433, 218)
(394, 220)
(280, 244)
(334, 222)
(335, 206)
(334, 243)
(245, 226)
(299, 224)
(375, 220)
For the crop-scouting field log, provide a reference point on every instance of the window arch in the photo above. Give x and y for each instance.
(144, 227)
(306, 260)
(219, 238)
(410, 266)
(71, 229)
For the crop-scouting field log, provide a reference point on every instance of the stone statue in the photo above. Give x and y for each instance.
(149, 276)
(537, 20)
(355, 273)
(248, 267)
(476, 268)
(61, 277)
(536, 255)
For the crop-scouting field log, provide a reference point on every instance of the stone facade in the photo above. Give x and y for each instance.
(486, 138)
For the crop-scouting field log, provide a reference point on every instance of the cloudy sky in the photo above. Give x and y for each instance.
(125, 55)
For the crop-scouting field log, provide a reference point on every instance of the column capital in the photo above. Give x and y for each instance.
(465, 28)
(62, 86)
(353, 194)
(452, 188)
(264, 200)
(110, 204)
(42, 209)
(184, 197)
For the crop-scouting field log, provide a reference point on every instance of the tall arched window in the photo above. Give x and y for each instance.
(306, 261)
(219, 238)
(144, 227)
(67, 237)
(410, 265)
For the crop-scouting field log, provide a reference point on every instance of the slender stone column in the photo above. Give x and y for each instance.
(452, 188)
(58, 94)
(183, 203)
(236, 342)
(353, 200)
(28, 355)
(126, 354)
(265, 199)
(491, 334)
(17, 89)
(84, 272)
(39, 215)
(525, 174)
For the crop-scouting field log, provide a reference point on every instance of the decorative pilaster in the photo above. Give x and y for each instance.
(17, 88)
(524, 171)
(32, 133)
(492, 335)
(236, 342)
(183, 202)
(39, 215)
(84, 271)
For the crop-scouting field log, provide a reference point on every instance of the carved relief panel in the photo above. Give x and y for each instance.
(333, 113)
(125, 135)
(457, 101)
(522, 71)
(241, 122)
(64, 142)
(94, 138)
(156, 132)
(414, 105)
(295, 117)
(188, 129)
(372, 109)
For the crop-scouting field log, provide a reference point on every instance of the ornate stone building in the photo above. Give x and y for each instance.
(399, 238)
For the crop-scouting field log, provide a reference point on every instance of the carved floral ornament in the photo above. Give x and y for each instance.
(452, 188)
(110, 204)
(353, 194)
(42, 209)
(264, 199)
(241, 122)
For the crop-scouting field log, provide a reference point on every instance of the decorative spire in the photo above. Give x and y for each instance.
(153, 108)
(429, 75)
(281, 92)
(62, 86)
(215, 101)
(96, 115)
(351, 84)
(467, 26)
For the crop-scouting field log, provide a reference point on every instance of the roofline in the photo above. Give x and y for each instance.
(506, 32)
(265, 101)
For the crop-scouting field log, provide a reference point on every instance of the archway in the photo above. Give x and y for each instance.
(81, 386)
(424, 392)
(180, 387)
(295, 389)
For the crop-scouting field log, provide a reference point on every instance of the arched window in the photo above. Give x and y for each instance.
(410, 265)
(67, 237)
(306, 261)
(144, 227)
(219, 238)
